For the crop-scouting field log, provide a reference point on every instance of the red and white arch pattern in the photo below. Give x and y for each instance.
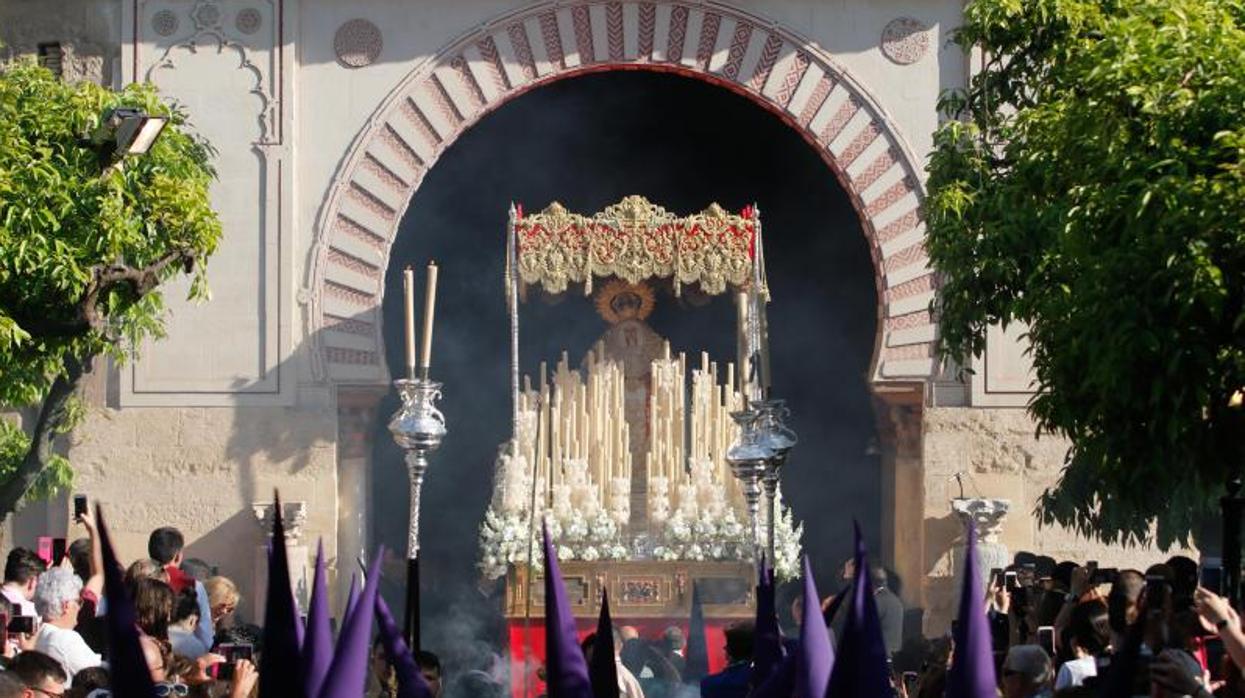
(510, 55)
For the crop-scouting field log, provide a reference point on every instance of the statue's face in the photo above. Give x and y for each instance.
(626, 304)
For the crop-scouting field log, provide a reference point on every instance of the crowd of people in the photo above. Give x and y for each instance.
(53, 631)
(1056, 630)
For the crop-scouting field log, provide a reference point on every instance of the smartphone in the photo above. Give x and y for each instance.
(21, 625)
(909, 683)
(1010, 580)
(58, 551)
(44, 550)
(996, 576)
(1214, 657)
(1046, 639)
(1092, 566)
(232, 652)
(79, 506)
(1211, 576)
(224, 670)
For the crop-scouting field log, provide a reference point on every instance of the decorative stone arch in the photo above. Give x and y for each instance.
(492, 64)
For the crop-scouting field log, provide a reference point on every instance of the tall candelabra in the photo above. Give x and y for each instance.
(747, 459)
(418, 427)
(777, 439)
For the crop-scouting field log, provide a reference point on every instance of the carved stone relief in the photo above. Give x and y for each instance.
(357, 43)
(905, 40)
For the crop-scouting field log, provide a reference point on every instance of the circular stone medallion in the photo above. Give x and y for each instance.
(905, 40)
(164, 23)
(248, 20)
(357, 43)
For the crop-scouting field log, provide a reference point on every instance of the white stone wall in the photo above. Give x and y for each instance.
(201, 469)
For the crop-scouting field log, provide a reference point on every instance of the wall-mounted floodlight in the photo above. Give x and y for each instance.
(134, 131)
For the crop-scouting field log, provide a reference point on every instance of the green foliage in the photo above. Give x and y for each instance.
(1090, 184)
(65, 222)
(13, 447)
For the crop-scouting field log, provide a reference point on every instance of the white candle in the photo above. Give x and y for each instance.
(430, 302)
(408, 296)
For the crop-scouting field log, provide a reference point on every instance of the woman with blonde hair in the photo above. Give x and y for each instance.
(223, 600)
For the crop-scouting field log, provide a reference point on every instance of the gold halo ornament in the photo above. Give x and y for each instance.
(618, 301)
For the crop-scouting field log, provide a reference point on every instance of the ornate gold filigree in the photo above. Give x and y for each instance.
(635, 240)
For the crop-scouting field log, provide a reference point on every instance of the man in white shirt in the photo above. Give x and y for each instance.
(58, 598)
(21, 574)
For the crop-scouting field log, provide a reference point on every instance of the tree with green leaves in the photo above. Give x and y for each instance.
(86, 241)
(1089, 184)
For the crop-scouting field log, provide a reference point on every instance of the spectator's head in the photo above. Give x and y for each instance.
(165, 546)
(1089, 629)
(673, 640)
(1123, 599)
(79, 554)
(88, 680)
(186, 610)
(430, 666)
(629, 632)
(40, 674)
(22, 570)
(58, 597)
(153, 604)
(223, 599)
(1177, 661)
(587, 645)
(1184, 576)
(1063, 575)
(1045, 567)
(144, 569)
(197, 569)
(739, 641)
(1026, 671)
(11, 686)
(634, 655)
(879, 576)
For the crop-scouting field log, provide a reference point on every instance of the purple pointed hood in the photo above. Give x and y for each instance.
(128, 668)
(696, 664)
(411, 682)
(816, 655)
(565, 667)
(603, 670)
(972, 670)
(860, 664)
(347, 675)
(767, 651)
(352, 599)
(279, 674)
(318, 640)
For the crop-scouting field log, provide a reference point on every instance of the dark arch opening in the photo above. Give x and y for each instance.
(588, 142)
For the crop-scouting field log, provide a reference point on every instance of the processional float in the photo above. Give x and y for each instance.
(648, 467)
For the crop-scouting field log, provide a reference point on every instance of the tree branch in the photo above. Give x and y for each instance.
(104, 278)
(51, 416)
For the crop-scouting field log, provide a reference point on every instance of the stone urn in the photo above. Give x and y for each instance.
(986, 515)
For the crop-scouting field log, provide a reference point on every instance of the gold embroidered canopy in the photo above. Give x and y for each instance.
(636, 240)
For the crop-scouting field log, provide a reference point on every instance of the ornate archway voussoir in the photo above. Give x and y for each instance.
(491, 65)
